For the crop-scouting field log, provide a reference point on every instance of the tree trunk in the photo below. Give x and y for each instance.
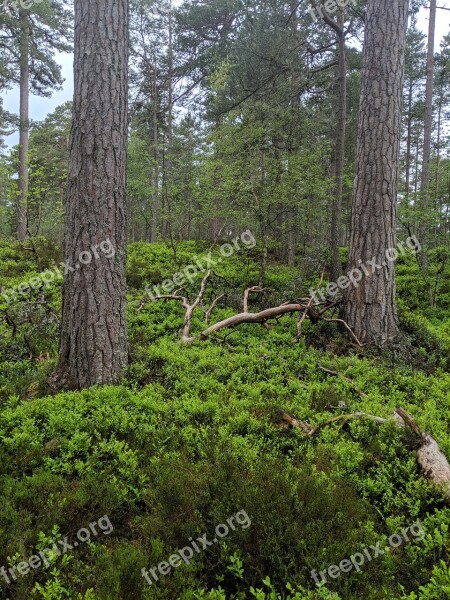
(168, 172)
(336, 207)
(370, 304)
(438, 205)
(22, 199)
(428, 125)
(155, 200)
(408, 145)
(93, 346)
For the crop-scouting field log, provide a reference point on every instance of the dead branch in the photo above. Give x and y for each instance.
(347, 379)
(305, 306)
(186, 337)
(349, 329)
(247, 317)
(345, 419)
(308, 306)
(288, 422)
(212, 307)
(434, 464)
(248, 291)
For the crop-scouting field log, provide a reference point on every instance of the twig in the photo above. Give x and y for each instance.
(255, 288)
(308, 306)
(212, 307)
(347, 379)
(186, 337)
(349, 329)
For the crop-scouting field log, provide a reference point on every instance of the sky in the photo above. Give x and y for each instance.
(41, 107)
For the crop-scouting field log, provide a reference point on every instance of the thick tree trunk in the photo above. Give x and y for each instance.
(93, 332)
(428, 126)
(21, 211)
(370, 305)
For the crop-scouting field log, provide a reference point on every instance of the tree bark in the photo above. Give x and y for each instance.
(93, 347)
(21, 210)
(370, 305)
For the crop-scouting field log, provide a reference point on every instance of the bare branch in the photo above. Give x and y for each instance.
(212, 307)
(247, 317)
(255, 288)
(349, 329)
(434, 464)
(308, 306)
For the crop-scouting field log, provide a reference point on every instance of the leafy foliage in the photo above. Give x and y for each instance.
(191, 437)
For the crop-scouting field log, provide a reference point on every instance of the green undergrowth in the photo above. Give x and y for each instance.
(193, 435)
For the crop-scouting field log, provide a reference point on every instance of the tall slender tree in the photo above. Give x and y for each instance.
(414, 74)
(340, 33)
(24, 126)
(370, 305)
(93, 347)
(29, 38)
(428, 124)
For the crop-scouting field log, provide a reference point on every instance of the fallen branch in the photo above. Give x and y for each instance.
(434, 464)
(305, 306)
(247, 317)
(212, 307)
(347, 379)
(186, 337)
(308, 306)
(430, 457)
(288, 422)
(349, 329)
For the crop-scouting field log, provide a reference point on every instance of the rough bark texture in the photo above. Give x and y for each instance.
(434, 464)
(93, 346)
(21, 211)
(370, 306)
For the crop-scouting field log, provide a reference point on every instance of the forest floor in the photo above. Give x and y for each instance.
(192, 439)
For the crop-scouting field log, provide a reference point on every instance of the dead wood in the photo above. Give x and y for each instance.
(347, 379)
(434, 464)
(186, 337)
(314, 312)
